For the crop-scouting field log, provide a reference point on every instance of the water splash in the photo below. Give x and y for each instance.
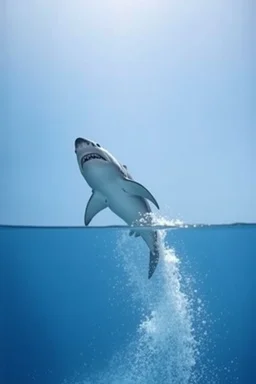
(164, 349)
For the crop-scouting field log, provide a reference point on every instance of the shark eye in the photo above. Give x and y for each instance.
(98, 145)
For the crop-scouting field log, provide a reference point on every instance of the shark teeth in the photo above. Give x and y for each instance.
(91, 156)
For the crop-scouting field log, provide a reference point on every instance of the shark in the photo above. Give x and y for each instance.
(113, 187)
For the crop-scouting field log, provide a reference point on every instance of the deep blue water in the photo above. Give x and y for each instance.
(77, 307)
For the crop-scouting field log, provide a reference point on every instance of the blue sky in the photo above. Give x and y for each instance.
(166, 86)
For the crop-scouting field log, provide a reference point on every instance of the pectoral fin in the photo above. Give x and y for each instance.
(96, 203)
(134, 188)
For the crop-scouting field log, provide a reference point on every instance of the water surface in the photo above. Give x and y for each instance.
(77, 306)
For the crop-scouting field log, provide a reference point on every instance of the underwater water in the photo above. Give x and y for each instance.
(77, 306)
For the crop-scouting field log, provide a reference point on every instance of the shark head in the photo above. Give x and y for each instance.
(96, 163)
(87, 151)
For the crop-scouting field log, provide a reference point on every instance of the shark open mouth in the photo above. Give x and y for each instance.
(91, 156)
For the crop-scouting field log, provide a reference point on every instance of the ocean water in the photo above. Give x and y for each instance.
(77, 307)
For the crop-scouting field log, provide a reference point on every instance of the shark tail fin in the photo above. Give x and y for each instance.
(153, 257)
(153, 261)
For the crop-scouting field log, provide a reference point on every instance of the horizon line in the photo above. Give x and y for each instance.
(125, 227)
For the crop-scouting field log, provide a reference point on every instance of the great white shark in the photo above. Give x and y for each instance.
(113, 187)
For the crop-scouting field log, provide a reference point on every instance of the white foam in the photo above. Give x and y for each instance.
(164, 349)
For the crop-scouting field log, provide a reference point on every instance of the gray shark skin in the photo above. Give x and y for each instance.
(113, 187)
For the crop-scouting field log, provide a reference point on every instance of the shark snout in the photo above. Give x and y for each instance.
(80, 141)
